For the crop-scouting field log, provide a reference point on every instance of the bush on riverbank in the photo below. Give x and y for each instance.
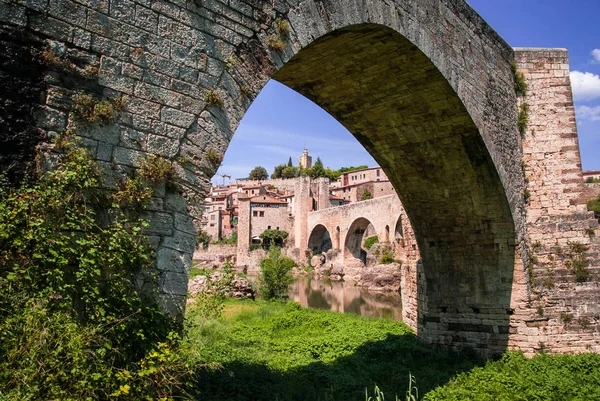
(275, 275)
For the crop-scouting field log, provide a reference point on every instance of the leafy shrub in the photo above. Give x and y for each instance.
(156, 169)
(273, 237)
(387, 256)
(282, 27)
(366, 195)
(275, 275)
(213, 156)
(212, 98)
(523, 118)
(577, 261)
(369, 242)
(274, 42)
(89, 110)
(232, 239)
(203, 239)
(70, 253)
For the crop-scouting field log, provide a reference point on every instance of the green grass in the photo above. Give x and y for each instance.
(277, 351)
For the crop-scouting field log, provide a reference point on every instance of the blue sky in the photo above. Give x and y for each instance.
(281, 122)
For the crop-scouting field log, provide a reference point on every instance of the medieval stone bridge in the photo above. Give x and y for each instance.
(344, 227)
(425, 86)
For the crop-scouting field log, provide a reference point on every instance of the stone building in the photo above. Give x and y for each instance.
(305, 160)
(268, 213)
(591, 175)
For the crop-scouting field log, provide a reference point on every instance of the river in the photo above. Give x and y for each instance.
(339, 296)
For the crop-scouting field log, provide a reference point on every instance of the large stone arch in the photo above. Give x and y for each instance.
(426, 87)
(320, 239)
(355, 235)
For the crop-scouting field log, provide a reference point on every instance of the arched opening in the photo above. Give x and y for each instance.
(387, 233)
(319, 240)
(398, 231)
(337, 237)
(359, 230)
(405, 112)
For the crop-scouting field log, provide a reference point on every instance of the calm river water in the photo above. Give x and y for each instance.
(345, 298)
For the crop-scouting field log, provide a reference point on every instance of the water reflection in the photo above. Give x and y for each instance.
(346, 298)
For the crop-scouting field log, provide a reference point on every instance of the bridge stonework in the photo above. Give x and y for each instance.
(426, 87)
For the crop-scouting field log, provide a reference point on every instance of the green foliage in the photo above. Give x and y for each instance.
(370, 241)
(366, 195)
(277, 171)
(214, 157)
(213, 98)
(56, 61)
(289, 172)
(203, 239)
(514, 377)
(155, 169)
(387, 256)
(577, 261)
(273, 237)
(519, 78)
(317, 170)
(246, 91)
(258, 173)
(523, 118)
(70, 254)
(591, 180)
(89, 110)
(282, 27)
(232, 239)
(275, 275)
(351, 168)
(276, 43)
(594, 204)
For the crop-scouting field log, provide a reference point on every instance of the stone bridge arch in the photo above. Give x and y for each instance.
(321, 239)
(426, 87)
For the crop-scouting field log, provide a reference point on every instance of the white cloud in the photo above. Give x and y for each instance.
(596, 55)
(586, 85)
(588, 113)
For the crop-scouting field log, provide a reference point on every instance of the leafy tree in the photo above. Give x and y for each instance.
(351, 168)
(289, 172)
(366, 195)
(275, 275)
(317, 169)
(259, 173)
(273, 237)
(333, 175)
(277, 172)
(290, 162)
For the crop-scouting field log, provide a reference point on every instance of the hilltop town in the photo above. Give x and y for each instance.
(247, 212)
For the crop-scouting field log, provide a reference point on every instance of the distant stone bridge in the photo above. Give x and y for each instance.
(427, 88)
(344, 227)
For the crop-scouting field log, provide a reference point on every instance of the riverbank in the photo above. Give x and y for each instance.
(276, 351)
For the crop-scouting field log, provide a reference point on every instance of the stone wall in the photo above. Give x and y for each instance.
(554, 310)
(215, 255)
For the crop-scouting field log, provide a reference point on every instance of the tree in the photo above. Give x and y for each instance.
(275, 275)
(273, 237)
(332, 174)
(289, 172)
(277, 172)
(259, 173)
(366, 195)
(317, 170)
(290, 162)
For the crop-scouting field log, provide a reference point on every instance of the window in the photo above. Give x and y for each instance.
(277, 228)
(268, 227)
(254, 213)
(212, 217)
(378, 173)
(262, 214)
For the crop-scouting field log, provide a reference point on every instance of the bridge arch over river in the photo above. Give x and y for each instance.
(426, 87)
